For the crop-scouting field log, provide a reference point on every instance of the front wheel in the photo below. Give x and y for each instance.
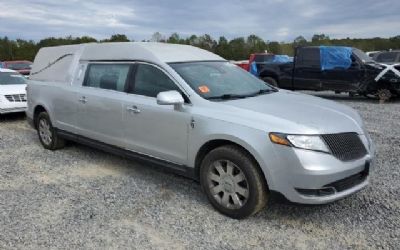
(233, 182)
(47, 134)
(384, 95)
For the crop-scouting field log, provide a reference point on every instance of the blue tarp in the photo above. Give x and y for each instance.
(335, 57)
(253, 68)
(281, 59)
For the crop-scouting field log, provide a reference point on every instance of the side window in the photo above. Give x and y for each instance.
(107, 76)
(149, 81)
(386, 57)
(308, 57)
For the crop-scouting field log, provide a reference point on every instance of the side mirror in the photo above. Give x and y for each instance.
(172, 97)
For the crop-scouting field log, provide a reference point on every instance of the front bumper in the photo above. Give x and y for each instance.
(310, 177)
(12, 110)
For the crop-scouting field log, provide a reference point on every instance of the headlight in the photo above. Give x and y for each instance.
(309, 142)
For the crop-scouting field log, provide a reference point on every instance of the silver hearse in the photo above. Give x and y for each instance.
(189, 110)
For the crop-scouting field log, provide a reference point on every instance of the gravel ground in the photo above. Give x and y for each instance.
(79, 197)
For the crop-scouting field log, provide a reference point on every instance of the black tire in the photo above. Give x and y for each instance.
(53, 141)
(384, 95)
(255, 181)
(270, 81)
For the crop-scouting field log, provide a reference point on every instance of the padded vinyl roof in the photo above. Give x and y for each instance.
(146, 51)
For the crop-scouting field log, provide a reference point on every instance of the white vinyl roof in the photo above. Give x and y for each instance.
(156, 52)
(60, 63)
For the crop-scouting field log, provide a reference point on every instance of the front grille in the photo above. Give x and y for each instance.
(345, 146)
(16, 98)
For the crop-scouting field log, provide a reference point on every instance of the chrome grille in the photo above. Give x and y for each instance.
(345, 146)
(16, 98)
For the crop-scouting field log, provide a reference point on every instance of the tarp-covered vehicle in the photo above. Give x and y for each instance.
(336, 68)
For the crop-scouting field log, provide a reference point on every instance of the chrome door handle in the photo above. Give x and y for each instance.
(133, 109)
(83, 99)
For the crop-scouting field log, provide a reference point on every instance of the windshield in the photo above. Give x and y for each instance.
(362, 56)
(11, 78)
(220, 80)
(18, 66)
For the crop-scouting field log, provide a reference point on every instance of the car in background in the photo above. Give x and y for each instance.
(12, 92)
(388, 57)
(23, 67)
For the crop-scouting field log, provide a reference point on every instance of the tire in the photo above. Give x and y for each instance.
(240, 194)
(384, 95)
(270, 81)
(47, 134)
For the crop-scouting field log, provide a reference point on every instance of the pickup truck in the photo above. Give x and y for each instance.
(258, 60)
(191, 111)
(340, 69)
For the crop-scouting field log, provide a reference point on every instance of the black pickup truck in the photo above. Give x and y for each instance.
(321, 68)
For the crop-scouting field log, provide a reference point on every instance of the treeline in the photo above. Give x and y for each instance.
(236, 49)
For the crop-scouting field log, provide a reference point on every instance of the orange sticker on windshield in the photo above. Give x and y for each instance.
(204, 89)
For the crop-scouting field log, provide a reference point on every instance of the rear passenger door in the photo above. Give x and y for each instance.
(100, 112)
(307, 72)
(151, 129)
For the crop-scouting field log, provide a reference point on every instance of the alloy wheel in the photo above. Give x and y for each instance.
(228, 184)
(45, 131)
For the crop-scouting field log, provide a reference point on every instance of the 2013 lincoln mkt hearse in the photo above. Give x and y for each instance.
(192, 111)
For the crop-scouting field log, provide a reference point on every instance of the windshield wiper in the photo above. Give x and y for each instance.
(227, 97)
(235, 96)
(263, 91)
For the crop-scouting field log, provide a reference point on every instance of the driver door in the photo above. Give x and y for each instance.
(151, 129)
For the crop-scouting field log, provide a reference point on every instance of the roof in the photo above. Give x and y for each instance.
(2, 70)
(59, 63)
(146, 51)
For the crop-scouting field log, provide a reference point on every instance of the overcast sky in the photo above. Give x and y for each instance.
(270, 19)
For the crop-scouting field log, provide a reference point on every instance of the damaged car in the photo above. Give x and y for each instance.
(335, 68)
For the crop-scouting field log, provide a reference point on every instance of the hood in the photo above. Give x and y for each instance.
(290, 112)
(12, 89)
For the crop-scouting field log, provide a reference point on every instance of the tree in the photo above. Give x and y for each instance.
(117, 38)
(320, 39)
(299, 41)
(157, 37)
(274, 47)
(238, 49)
(255, 44)
(174, 38)
(222, 48)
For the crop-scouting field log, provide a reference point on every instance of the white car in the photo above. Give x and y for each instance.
(12, 92)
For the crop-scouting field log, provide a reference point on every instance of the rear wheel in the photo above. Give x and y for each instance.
(233, 182)
(270, 81)
(47, 134)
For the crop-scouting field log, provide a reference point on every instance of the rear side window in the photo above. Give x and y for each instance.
(107, 76)
(308, 57)
(264, 58)
(149, 81)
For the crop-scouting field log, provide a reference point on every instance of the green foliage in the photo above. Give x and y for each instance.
(238, 48)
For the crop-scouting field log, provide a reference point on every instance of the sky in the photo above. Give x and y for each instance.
(273, 20)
